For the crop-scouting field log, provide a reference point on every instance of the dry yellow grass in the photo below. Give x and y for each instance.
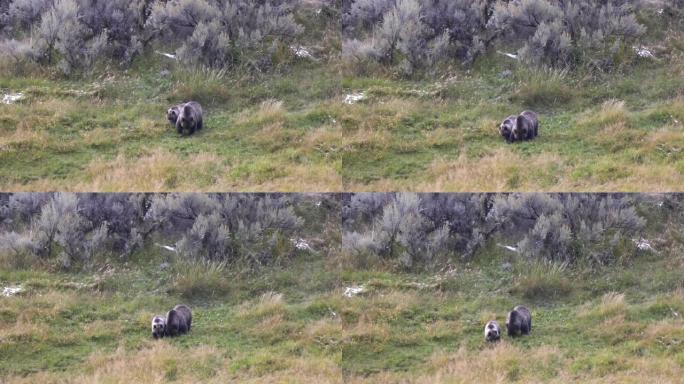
(163, 171)
(504, 171)
(269, 304)
(612, 303)
(159, 171)
(268, 111)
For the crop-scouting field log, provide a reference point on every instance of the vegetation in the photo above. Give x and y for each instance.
(591, 323)
(606, 81)
(279, 325)
(270, 116)
(271, 322)
(70, 231)
(414, 232)
(608, 123)
(414, 34)
(326, 314)
(620, 324)
(293, 324)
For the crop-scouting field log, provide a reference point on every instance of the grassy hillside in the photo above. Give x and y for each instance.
(279, 326)
(278, 133)
(105, 130)
(620, 325)
(267, 321)
(294, 322)
(599, 131)
(618, 133)
(619, 322)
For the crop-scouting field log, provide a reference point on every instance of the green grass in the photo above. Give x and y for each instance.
(618, 324)
(616, 132)
(290, 131)
(280, 325)
(292, 323)
(274, 133)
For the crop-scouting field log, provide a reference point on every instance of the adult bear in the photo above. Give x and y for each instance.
(526, 126)
(178, 320)
(519, 321)
(189, 118)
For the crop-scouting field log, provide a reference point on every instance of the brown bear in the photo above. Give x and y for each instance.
(158, 327)
(526, 126)
(519, 321)
(506, 128)
(172, 114)
(178, 320)
(492, 331)
(189, 118)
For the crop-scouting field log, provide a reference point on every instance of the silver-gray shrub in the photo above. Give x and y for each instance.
(76, 34)
(249, 230)
(26, 13)
(71, 229)
(416, 231)
(568, 228)
(567, 33)
(421, 33)
(80, 230)
(224, 33)
(63, 34)
(414, 34)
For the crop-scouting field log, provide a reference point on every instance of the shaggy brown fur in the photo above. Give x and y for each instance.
(492, 331)
(189, 118)
(178, 320)
(519, 321)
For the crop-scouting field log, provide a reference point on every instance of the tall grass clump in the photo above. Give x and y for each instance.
(542, 280)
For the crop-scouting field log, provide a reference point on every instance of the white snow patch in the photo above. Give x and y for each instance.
(510, 55)
(169, 55)
(10, 98)
(301, 244)
(354, 97)
(12, 290)
(509, 247)
(643, 52)
(643, 245)
(302, 52)
(167, 247)
(353, 291)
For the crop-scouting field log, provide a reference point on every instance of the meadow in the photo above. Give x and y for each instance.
(618, 325)
(417, 315)
(615, 129)
(294, 324)
(110, 134)
(264, 321)
(94, 327)
(289, 128)
(612, 133)
(104, 128)
(318, 315)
